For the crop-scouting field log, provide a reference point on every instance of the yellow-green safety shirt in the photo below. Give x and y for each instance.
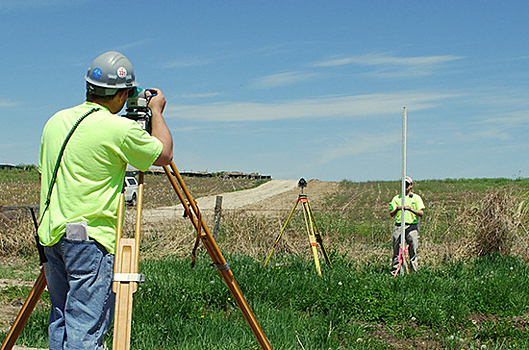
(413, 200)
(90, 178)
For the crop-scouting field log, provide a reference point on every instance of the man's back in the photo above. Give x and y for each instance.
(92, 169)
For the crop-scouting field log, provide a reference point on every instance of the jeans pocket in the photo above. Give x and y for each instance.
(81, 257)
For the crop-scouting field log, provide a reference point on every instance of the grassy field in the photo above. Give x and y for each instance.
(471, 291)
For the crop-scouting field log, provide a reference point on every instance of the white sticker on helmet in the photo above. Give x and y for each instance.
(122, 72)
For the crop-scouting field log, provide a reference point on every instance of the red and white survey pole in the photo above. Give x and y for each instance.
(403, 195)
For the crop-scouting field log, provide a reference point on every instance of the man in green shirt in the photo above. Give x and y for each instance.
(413, 210)
(80, 193)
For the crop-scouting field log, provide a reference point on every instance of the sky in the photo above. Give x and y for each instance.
(291, 89)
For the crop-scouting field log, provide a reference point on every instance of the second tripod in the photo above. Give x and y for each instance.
(311, 226)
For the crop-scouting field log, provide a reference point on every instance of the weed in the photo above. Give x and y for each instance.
(183, 308)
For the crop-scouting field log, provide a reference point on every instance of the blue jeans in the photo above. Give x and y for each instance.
(79, 276)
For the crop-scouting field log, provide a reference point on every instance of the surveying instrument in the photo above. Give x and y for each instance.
(403, 249)
(311, 226)
(126, 276)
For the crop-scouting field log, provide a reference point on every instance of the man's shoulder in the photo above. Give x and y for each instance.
(76, 111)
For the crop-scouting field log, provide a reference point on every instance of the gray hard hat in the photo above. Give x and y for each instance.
(110, 71)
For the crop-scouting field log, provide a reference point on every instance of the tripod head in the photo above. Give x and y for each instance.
(302, 184)
(137, 108)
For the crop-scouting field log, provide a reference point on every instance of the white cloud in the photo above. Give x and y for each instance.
(381, 59)
(186, 63)
(390, 66)
(203, 95)
(6, 103)
(347, 106)
(485, 134)
(356, 144)
(510, 120)
(281, 79)
(134, 44)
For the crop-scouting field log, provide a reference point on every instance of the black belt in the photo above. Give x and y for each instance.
(411, 227)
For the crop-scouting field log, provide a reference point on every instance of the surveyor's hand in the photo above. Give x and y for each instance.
(157, 101)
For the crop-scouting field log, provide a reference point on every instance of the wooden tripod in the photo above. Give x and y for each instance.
(127, 256)
(213, 250)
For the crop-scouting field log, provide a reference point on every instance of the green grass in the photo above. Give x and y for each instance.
(484, 301)
(456, 301)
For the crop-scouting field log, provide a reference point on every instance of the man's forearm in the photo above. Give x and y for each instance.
(162, 133)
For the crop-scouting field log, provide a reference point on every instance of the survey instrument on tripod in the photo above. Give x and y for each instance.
(127, 251)
(126, 262)
(192, 211)
(310, 224)
(126, 276)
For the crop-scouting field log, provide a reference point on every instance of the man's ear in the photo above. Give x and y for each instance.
(124, 94)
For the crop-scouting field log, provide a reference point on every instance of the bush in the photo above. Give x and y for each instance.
(497, 219)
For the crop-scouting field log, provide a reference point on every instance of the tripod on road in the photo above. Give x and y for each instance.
(311, 226)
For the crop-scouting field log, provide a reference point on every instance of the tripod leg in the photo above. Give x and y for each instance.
(404, 259)
(33, 297)
(318, 236)
(312, 238)
(25, 312)
(125, 263)
(126, 277)
(215, 254)
(281, 233)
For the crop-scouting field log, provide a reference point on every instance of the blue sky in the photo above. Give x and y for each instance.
(292, 89)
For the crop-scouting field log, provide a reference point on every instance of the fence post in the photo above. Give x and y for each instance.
(218, 211)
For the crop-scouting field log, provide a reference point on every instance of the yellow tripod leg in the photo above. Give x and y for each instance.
(318, 235)
(126, 277)
(310, 231)
(281, 233)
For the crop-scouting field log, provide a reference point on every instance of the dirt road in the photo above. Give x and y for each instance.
(230, 200)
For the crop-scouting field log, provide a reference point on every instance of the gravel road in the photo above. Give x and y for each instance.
(230, 200)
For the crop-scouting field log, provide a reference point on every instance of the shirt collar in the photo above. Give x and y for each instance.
(93, 104)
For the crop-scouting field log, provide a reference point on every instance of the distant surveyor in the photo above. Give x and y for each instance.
(413, 208)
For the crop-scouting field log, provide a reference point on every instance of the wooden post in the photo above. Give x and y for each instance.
(218, 212)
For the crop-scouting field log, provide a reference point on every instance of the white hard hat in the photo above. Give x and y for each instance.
(110, 71)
